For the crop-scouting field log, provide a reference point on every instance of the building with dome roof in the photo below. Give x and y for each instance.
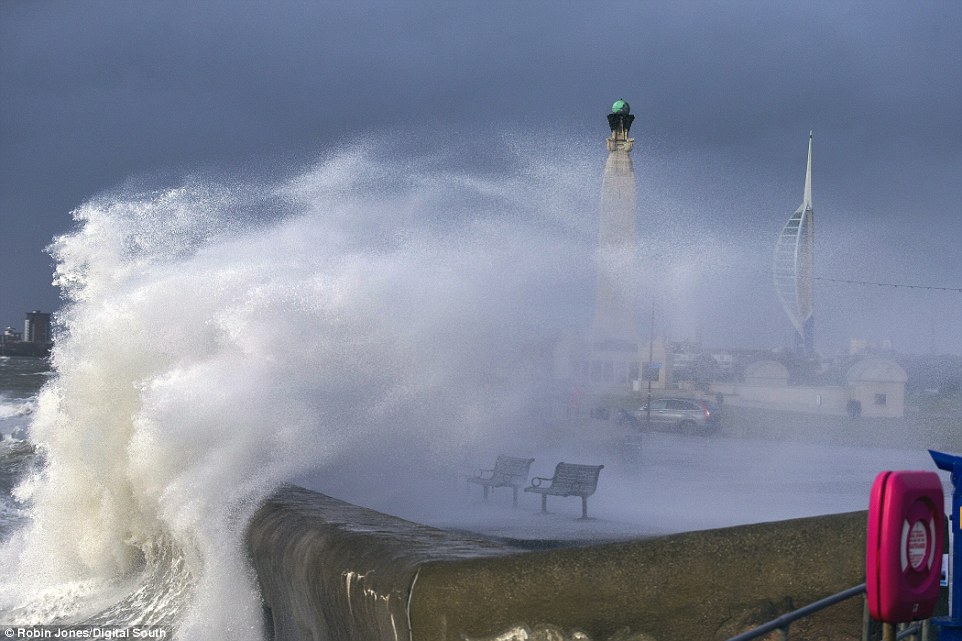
(878, 385)
(870, 387)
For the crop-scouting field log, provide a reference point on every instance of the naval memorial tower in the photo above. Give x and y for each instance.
(607, 356)
(615, 297)
(613, 350)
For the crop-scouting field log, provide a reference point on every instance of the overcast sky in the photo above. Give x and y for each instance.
(94, 93)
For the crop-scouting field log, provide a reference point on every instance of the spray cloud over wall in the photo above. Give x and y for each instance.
(207, 355)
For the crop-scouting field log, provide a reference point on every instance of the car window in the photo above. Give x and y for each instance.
(658, 405)
(677, 405)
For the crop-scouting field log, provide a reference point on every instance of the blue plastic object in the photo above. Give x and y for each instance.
(950, 628)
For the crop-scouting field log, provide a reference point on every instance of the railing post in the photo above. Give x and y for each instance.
(866, 619)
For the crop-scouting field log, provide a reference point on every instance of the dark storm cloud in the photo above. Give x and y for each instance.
(93, 93)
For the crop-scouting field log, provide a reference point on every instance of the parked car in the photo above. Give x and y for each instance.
(686, 415)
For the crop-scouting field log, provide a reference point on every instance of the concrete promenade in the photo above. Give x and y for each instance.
(337, 572)
(692, 538)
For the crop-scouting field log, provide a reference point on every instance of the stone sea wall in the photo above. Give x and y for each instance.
(331, 571)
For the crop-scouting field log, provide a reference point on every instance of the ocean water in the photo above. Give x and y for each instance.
(222, 337)
(20, 381)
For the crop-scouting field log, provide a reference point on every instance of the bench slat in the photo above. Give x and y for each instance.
(509, 471)
(570, 479)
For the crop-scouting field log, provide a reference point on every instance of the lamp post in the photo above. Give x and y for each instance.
(651, 357)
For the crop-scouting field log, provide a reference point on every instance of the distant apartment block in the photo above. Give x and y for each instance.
(36, 340)
(36, 328)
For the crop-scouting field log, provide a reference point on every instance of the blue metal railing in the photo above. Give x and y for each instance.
(916, 629)
(783, 622)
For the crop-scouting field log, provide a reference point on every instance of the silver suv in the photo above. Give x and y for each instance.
(686, 415)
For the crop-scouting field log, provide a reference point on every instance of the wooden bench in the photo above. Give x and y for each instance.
(570, 479)
(508, 472)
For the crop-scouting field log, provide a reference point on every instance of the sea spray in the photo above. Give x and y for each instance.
(220, 339)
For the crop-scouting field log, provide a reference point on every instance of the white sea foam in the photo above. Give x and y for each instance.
(208, 355)
(15, 416)
(17, 407)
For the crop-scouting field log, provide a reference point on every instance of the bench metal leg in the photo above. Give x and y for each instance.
(485, 488)
(515, 496)
(544, 502)
(584, 507)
